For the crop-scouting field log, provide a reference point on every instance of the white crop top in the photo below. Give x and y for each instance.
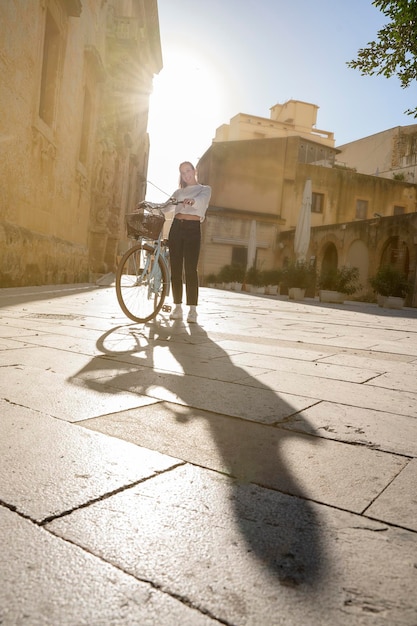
(201, 195)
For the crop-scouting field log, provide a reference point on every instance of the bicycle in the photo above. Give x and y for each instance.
(143, 275)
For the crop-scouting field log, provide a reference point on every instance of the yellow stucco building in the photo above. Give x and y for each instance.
(258, 169)
(75, 79)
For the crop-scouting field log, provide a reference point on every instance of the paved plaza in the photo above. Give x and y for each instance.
(257, 468)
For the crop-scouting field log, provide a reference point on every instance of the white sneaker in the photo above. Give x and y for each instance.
(192, 316)
(176, 313)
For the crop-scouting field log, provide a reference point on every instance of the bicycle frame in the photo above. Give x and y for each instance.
(159, 250)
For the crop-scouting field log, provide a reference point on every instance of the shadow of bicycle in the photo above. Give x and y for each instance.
(215, 414)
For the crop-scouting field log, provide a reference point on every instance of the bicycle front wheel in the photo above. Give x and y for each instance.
(141, 283)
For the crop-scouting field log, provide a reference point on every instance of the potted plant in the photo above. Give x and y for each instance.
(211, 280)
(271, 279)
(237, 275)
(225, 276)
(391, 286)
(298, 276)
(253, 279)
(337, 283)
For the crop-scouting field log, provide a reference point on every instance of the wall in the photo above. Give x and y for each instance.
(390, 153)
(75, 79)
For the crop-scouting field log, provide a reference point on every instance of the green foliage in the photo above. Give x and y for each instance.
(211, 279)
(388, 281)
(299, 274)
(394, 51)
(271, 277)
(253, 277)
(231, 274)
(343, 279)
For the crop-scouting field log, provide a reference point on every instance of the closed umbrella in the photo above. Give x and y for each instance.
(302, 231)
(251, 246)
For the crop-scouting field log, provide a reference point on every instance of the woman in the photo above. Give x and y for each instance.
(184, 239)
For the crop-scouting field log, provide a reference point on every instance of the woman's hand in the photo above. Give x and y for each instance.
(189, 201)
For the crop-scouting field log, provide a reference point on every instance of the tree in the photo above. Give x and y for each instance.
(394, 53)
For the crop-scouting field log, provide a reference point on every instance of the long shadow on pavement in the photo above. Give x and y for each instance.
(272, 511)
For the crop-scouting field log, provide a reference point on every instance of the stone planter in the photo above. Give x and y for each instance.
(271, 290)
(327, 295)
(295, 293)
(257, 289)
(390, 302)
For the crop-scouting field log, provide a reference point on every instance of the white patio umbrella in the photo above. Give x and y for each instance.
(251, 245)
(302, 231)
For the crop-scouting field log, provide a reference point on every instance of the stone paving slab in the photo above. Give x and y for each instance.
(331, 472)
(401, 346)
(72, 400)
(233, 399)
(13, 332)
(403, 381)
(374, 361)
(376, 429)
(49, 582)
(287, 349)
(205, 367)
(48, 467)
(76, 367)
(314, 387)
(324, 370)
(11, 344)
(398, 503)
(249, 555)
(65, 342)
(59, 321)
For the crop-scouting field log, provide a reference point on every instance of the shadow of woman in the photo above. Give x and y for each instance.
(199, 383)
(276, 519)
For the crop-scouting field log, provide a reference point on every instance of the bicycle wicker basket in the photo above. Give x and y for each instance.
(143, 224)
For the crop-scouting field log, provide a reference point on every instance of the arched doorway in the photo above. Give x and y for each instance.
(330, 258)
(395, 253)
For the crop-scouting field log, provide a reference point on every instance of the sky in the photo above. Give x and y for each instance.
(224, 57)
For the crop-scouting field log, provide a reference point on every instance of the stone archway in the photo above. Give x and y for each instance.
(330, 258)
(395, 253)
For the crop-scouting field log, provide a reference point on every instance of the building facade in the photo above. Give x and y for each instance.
(391, 154)
(263, 179)
(75, 80)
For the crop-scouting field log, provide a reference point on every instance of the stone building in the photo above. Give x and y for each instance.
(75, 80)
(261, 179)
(391, 154)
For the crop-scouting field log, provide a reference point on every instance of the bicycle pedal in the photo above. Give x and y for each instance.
(166, 308)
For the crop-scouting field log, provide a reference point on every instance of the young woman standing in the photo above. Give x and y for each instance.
(185, 238)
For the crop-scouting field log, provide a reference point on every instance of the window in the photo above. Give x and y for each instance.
(361, 209)
(239, 256)
(317, 202)
(86, 125)
(399, 210)
(50, 63)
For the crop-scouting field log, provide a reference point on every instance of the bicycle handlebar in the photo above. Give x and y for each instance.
(153, 206)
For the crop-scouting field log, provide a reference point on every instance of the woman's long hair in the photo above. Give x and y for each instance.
(182, 183)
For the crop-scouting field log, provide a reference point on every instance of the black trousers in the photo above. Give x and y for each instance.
(184, 249)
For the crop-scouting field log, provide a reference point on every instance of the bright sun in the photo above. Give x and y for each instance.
(185, 108)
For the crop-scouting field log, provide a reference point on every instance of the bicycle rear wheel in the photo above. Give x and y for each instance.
(141, 285)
